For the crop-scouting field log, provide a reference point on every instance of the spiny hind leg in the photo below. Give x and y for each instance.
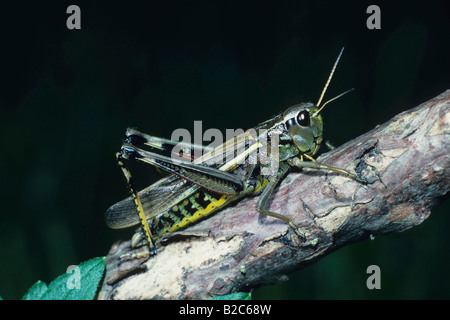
(138, 241)
(121, 156)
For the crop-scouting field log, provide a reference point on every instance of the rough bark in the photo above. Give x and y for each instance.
(405, 160)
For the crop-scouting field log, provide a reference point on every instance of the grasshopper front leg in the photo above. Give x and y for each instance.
(296, 162)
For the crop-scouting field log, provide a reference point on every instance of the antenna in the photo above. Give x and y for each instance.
(338, 96)
(328, 81)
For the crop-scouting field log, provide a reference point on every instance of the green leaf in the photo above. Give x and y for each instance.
(79, 283)
(235, 296)
(36, 291)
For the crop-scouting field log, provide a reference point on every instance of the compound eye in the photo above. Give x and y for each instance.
(303, 118)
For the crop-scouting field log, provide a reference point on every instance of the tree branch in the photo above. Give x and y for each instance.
(405, 160)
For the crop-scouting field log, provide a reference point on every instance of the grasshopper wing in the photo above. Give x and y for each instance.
(171, 190)
(156, 199)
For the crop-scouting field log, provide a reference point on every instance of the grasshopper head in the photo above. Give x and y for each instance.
(305, 127)
(304, 122)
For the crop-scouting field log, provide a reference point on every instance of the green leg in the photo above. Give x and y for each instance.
(296, 162)
(329, 145)
(263, 203)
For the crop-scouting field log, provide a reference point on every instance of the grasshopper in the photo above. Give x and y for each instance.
(196, 189)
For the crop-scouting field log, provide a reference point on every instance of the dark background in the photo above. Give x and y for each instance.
(67, 96)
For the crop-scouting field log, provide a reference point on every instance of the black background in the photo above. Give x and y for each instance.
(67, 96)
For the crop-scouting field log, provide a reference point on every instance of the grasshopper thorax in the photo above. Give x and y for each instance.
(305, 127)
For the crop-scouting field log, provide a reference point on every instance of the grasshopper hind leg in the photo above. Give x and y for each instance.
(120, 156)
